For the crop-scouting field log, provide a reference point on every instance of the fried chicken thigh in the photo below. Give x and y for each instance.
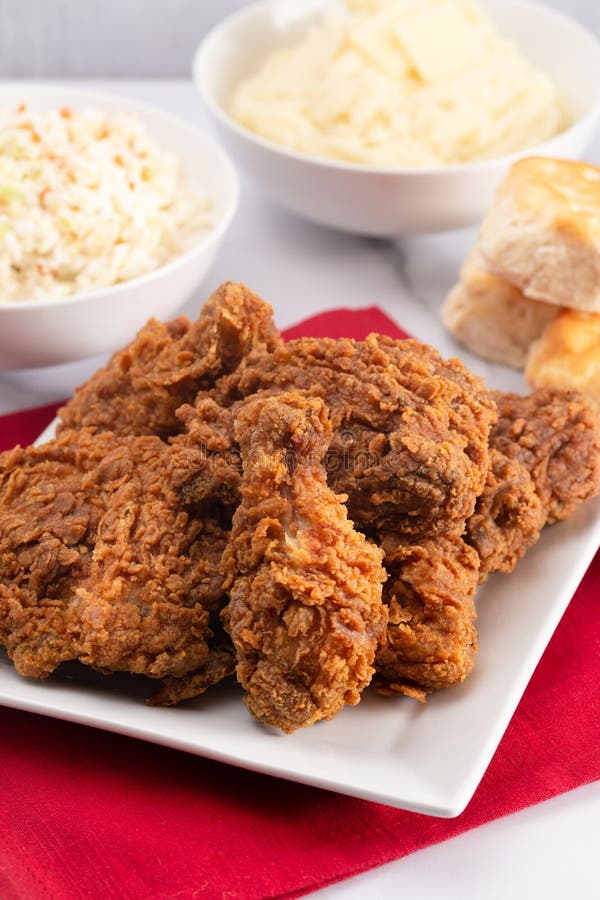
(305, 612)
(100, 562)
(166, 365)
(410, 430)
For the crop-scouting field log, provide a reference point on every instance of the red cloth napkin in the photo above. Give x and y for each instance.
(24, 427)
(88, 814)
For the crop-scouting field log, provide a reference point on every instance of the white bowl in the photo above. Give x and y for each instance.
(50, 331)
(387, 202)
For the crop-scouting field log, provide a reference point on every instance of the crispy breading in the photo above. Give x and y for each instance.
(508, 516)
(111, 540)
(305, 612)
(166, 365)
(172, 690)
(545, 453)
(431, 637)
(100, 562)
(410, 430)
(555, 434)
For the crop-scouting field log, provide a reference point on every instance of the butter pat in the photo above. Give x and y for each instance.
(439, 41)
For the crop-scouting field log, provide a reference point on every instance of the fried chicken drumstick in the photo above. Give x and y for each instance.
(305, 612)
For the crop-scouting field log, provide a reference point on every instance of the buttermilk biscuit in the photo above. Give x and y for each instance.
(491, 317)
(543, 232)
(567, 355)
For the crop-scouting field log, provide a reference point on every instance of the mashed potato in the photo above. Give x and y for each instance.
(87, 200)
(401, 83)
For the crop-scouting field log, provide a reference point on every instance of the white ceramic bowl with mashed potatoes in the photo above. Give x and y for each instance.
(48, 330)
(387, 200)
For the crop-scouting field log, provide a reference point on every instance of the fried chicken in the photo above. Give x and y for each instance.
(166, 365)
(545, 460)
(290, 472)
(431, 638)
(555, 434)
(410, 433)
(219, 666)
(410, 430)
(508, 517)
(206, 457)
(100, 562)
(305, 612)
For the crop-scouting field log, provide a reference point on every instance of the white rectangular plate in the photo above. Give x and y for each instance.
(427, 758)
